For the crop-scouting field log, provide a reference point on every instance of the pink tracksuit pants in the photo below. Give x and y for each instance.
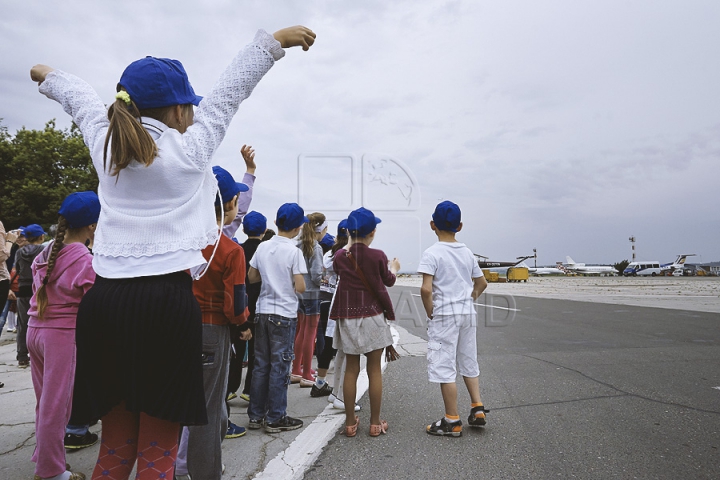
(52, 363)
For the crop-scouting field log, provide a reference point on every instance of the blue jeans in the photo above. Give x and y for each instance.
(274, 338)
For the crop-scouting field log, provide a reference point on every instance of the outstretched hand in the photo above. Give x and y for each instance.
(39, 72)
(297, 36)
(395, 265)
(248, 154)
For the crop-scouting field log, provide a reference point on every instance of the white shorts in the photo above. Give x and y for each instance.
(452, 348)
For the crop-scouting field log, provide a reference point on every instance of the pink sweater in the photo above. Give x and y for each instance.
(72, 276)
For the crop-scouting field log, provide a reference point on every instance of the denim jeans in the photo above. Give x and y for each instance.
(274, 338)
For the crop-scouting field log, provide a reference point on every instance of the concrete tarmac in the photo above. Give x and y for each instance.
(575, 389)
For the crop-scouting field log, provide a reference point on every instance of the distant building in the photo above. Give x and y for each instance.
(711, 268)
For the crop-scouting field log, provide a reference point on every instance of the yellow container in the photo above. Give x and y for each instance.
(517, 274)
(491, 276)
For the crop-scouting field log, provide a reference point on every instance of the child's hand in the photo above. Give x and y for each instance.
(395, 265)
(39, 72)
(248, 155)
(295, 37)
(246, 335)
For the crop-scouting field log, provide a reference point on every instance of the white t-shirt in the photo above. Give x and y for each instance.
(278, 260)
(453, 268)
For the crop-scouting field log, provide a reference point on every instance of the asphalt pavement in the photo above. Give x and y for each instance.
(575, 389)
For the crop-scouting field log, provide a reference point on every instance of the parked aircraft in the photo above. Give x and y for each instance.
(678, 264)
(583, 269)
(484, 263)
(542, 270)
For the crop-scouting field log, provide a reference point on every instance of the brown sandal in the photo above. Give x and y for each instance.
(351, 431)
(376, 430)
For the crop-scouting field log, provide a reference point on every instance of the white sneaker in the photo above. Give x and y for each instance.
(331, 398)
(340, 405)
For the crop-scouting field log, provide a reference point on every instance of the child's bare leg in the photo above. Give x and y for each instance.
(449, 394)
(352, 370)
(473, 388)
(374, 371)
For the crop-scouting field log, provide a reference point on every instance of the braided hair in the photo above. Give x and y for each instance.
(41, 297)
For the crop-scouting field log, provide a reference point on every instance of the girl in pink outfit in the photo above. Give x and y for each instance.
(62, 273)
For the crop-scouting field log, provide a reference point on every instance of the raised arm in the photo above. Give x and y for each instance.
(216, 110)
(79, 100)
(245, 198)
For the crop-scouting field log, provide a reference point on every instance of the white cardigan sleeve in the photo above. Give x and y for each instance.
(217, 109)
(83, 104)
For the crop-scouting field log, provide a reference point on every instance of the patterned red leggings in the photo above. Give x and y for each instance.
(127, 436)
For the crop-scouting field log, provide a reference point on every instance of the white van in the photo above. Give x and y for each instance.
(642, 268)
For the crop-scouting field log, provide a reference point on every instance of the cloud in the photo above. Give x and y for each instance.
(565, 126)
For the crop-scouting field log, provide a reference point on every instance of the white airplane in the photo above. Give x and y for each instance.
(542, 270)
(583, 269)
(678, 264)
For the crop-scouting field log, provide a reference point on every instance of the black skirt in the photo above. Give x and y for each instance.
(139, 341)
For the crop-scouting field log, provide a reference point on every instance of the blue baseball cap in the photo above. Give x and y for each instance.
(254, 224)
(290, 216)
(328, 240)
(227, 184)
(80, 209)
(361, 222)
(32, 231)
(342, 228)
(158, 82)
(447, 216)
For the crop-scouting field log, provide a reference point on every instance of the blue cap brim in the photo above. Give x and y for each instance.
(305, 220)
(197, 101)
(242, 187)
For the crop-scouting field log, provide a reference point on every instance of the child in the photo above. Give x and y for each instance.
(308, 313)
(280, 265)
(139, 330)
(62, 274)
(35, 236)
(8, 240)
(221, 295)
(362, 308)
(237, 351)
(452, 280)
(254, 226)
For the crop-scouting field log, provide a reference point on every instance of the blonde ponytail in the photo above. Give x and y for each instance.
(308, 236)
(127, 138)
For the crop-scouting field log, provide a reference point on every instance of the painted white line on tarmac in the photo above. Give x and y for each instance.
(483, 305)
(293, 462)
(716, 388)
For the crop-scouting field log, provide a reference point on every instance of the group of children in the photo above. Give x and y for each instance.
(143, 327)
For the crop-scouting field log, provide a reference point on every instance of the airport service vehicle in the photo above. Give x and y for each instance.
(677, 273)
(642, 268)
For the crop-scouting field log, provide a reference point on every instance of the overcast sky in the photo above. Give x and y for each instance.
(565, 126)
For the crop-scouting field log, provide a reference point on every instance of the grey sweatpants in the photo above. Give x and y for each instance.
(201, 446)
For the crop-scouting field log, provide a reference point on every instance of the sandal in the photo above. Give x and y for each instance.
(376, 430)
(351, 431)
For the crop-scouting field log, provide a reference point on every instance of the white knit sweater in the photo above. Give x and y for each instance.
(163, 211)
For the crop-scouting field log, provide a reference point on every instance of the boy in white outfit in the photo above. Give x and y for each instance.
(452, 280)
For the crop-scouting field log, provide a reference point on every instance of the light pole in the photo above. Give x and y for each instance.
(632, 242)
(535, 252)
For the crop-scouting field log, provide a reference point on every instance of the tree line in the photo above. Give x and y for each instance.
(38, 169)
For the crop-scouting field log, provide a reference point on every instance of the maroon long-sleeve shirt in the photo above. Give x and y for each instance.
(352, 298)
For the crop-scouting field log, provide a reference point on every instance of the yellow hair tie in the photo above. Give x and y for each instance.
(124, 96)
